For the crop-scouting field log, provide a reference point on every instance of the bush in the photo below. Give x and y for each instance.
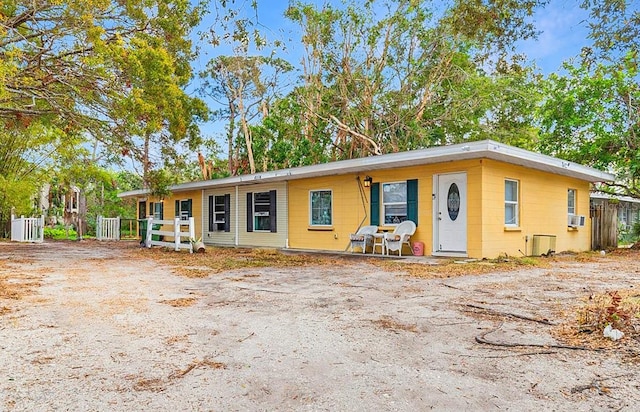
(58, 232)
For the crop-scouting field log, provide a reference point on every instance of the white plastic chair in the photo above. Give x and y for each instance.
(363, 238)
(399, 237)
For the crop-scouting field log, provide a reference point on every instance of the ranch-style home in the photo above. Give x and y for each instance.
(478, 200)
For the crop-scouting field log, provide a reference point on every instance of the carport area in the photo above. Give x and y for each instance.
(112, 326)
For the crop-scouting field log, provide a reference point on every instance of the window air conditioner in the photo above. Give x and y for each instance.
(576, 221)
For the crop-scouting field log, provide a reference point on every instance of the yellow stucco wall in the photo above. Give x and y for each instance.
(542, 203)
(542, 206)
(350, 210)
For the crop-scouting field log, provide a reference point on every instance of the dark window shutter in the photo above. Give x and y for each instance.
(227, 213)
(412, 200)
(177, 212)
(211, 216)
(142, 210)
(272, 211)
(375, 204)
(151, 209)
(161, 211)
(249, 212)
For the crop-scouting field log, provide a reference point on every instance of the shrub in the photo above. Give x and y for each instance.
(58, 232)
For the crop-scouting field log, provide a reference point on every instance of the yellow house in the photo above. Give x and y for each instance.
(478, 199)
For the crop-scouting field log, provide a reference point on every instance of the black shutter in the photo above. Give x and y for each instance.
(142, 210)
(151, 209)
(375, 204)
(272, 211)
(177, 211)
(211, 215)
(412, 200)
(161, 210)
(227, 213)
(190, 207)
(249, 212)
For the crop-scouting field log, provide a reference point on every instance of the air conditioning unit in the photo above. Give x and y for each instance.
(576, 221)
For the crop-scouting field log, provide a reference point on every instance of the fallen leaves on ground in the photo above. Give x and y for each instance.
(218, 259)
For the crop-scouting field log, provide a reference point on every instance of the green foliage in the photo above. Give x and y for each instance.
(59, 233)
(589, 116)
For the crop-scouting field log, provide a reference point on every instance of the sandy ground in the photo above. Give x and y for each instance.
(102, 330)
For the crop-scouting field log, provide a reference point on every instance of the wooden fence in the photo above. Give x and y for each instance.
(181, 239)
(107, 228)
(604, 226)
(27, 229)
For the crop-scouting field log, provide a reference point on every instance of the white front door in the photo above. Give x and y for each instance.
(450, 213)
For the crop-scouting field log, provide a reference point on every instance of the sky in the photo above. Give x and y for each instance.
(561, 23)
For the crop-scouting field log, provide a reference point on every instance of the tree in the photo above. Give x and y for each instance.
(79, 67)
(247, 84)
(590, 113)
(390, 77)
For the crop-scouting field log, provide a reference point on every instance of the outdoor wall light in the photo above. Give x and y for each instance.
(367, 181)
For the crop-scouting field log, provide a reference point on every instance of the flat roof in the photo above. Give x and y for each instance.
(485, 149)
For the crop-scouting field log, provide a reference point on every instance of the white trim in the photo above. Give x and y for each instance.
(383, 215)
(311, 224)
(511, 202)
(237, 220)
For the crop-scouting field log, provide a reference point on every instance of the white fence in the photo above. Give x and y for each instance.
(181, 240)
(107, 228)
(27, 229)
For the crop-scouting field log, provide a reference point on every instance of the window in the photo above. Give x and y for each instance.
(219, 213)
(571, 201)
(511, 217)
(321, 207)
(261, 211)
(156, 210)
(394, 202)
(218, 210)
(183, 209)
(261, 207)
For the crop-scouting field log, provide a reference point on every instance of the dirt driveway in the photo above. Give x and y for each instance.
(87, 327)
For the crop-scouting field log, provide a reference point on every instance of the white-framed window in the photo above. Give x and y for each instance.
(511, 207)
(571, 201)
(158, 210)
(394, 202)
(219, 210)
(261, 208)
(320, 202)
(184, 209)
(219, 213)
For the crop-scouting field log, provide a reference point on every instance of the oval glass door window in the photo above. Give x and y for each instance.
(453, 201)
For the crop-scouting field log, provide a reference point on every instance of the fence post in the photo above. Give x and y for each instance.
(99, 227)
(192, 233)
(149, 226)
(41, 228)
(176, 233)
(117, 231)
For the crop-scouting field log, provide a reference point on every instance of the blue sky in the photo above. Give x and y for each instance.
(562, 25)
